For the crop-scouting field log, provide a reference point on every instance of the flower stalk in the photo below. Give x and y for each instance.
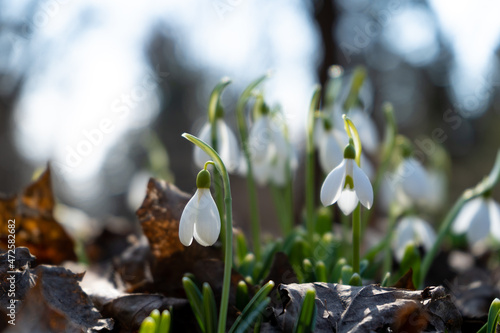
(228, 240)
(310, 219)
(252, 193)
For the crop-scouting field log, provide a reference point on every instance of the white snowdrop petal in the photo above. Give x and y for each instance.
(464, 218)
(207, 226)
(347, 201)
(199, 156)
(333, 185)
(413, 178)
(403, 235)
(362, 186)
(480, 224)
(258, 139)
(494, 210)
(228, 146)
(187, 221)
(425, 233)
(330, 152)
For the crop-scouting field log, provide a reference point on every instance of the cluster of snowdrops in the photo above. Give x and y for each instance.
(356, 163)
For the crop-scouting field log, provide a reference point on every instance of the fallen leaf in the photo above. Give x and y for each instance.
(406, 281)
(35, 225)
(57, 304)
(343, 308)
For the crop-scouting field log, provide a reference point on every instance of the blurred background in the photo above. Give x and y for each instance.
(104, 89)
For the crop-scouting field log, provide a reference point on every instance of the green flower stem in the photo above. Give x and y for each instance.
(389, 144)
(213, 107)
(484, 186)
(252, 193)
(356, 236)
(310, 219)
(228, 250)
(281, 209)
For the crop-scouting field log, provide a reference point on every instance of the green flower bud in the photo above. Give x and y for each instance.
(203, 179)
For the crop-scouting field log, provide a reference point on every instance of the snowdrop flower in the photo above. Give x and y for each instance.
(412, 229)
(347, 185)
(227, 145)
(407, 185)
(270, 152)
(200, 218)
(478, 218)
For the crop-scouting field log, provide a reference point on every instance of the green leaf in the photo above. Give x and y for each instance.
(241, 247)
(155, 314)
(209, 309)
(305, 322)
(355, 280)
(493, 316)
(242, 296)
(148, 325)
(195, 300)
(253, 308)
(320, 270)
(411, 259)
(386, 280)
(165, 322)
(337, 270)
(346, 274)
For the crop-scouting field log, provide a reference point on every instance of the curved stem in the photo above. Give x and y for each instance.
(310, 220)
(252, 192)
(389, 144)
(484, 186)
(228, 251)
(213, 108)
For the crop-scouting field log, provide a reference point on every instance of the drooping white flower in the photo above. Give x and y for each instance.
(269, 151)
(412, 229)
(200, 218)
(227, 146)
(478, 218)
(347, 184)
(407, 185)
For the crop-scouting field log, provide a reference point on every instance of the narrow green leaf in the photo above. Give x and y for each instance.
(306, 321)
(255, 303)
(386, 280)
(241, 247)
(493, 316)
(209, 309)
(320, 271)
(148, 325)
(346, 274)
(165, 322)
(242, 297)
(355, 280)
(155, 314)
(195, 300)
(337, 270)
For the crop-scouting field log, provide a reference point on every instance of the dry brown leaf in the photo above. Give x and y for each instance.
(343, 308)
(36, 227)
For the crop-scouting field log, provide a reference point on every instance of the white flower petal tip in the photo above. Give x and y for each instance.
(363, 187)
(200, 219)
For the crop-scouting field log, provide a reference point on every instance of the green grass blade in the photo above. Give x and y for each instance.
(195, 300)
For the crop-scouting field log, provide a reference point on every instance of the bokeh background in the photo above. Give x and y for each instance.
(104, 89)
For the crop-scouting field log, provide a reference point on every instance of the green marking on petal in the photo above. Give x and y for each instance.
(348, 182)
